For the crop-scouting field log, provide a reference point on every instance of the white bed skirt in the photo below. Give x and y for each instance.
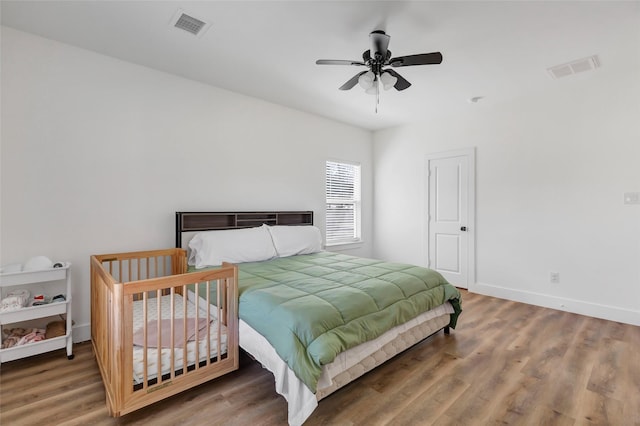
(346, 367)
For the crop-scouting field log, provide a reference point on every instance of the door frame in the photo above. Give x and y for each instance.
(470, 153)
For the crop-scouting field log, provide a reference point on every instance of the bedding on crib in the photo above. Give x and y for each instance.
(196, 348)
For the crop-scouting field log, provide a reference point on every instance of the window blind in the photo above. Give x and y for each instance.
(343, 203)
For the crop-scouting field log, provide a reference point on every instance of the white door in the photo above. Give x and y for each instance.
(451, 208)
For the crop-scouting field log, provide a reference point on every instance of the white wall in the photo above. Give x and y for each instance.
(98, 154)
(551, 173)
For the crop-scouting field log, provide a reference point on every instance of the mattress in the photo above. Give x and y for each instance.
(178, 353)
(347, 366)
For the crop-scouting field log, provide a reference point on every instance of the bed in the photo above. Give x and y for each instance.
(156, 330)
(382, 308)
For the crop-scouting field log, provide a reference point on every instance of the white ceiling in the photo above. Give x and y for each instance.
(266, 49)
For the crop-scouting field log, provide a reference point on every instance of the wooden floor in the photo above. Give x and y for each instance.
(506, 363)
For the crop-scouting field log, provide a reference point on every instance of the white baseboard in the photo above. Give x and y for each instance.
(596, 310)
(81, 333)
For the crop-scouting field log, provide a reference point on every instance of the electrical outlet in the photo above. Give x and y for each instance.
(554, 277)
(632, 198)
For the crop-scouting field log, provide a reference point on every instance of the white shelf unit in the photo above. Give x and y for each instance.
(45, 278)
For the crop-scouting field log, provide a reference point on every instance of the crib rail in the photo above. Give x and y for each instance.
(185, 330)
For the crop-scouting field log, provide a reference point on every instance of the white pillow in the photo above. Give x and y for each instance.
(211, 248)
(292, 240)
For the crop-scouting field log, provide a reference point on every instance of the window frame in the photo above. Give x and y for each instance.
(355, 201)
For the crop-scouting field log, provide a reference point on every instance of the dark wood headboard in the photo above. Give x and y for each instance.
(211, 221)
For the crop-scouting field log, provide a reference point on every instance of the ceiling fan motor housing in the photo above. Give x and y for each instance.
(379, 44)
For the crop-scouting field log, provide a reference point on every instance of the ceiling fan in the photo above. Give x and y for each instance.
(376, 59)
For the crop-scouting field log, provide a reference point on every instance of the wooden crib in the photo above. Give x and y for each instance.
(172, 316)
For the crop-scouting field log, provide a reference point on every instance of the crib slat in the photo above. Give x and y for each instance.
(184, 329)
(173, 336)
(159, 345)
(219, 302)
(196, 320)
(145, 319)
(208, 344)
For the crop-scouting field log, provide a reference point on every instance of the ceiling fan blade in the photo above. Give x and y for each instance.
(402, 83)
(379, 43)
(337, 62)
(421, 59)
(352, 82)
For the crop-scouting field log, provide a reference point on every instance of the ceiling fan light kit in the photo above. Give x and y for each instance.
(367, 80)
(388, 80)
(376, 59)
(373, 90)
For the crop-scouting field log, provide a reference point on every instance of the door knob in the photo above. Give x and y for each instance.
(463, 228)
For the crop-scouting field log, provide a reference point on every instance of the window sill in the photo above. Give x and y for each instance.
(343, 246)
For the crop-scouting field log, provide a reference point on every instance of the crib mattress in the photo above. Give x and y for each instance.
(178, 353)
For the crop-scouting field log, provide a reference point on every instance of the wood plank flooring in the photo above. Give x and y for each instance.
(506, 363)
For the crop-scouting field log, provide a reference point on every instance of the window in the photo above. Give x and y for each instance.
(343, 203)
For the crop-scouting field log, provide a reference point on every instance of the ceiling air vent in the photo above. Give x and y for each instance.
(190, 24)
(580, 65)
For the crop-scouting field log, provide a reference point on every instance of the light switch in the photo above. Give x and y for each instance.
(632, 197)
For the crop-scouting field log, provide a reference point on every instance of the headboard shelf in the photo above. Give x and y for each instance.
(211, 221)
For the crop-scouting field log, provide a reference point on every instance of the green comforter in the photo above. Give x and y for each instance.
(312, 307)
